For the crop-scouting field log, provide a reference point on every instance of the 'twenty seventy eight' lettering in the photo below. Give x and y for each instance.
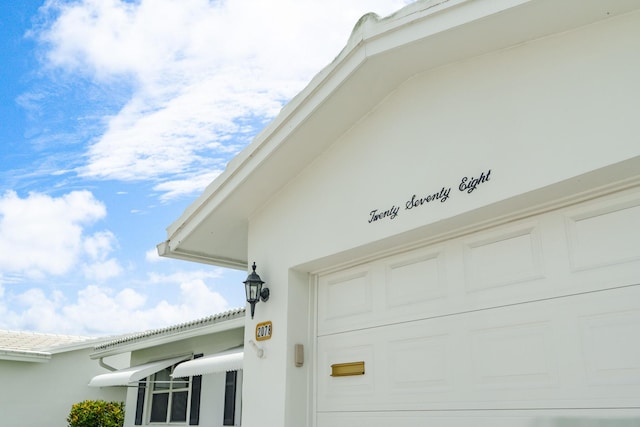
(467, 184)
(416, 201)
(470, 184)
(390, 213)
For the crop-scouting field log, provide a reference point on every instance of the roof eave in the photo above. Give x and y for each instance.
(214, 229)
(292, 116)
(25, 356)
(164, 250)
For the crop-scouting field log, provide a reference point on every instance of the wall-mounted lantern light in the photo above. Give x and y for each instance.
(254, 289)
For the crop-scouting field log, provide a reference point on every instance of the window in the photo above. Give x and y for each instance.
(176, 401)
(169, 398)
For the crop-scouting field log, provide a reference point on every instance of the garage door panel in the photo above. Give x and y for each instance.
(503, 257)
(541, 314)
(610, 347)
(391, 374)
(415, 280)
(505, 418)
(604, 233)
(399, 288)
(413, 284)
(562, 352)
(347, 297)
(355, 388)
(511, 356)
(420, 363)
(602, 242)
(583, 248)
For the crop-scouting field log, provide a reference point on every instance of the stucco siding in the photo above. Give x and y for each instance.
(41, 394)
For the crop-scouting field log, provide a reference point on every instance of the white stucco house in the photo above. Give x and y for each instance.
(186, 374)
(43, 375)
(448, 220)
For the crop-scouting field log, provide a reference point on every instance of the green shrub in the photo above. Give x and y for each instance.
(96, 413)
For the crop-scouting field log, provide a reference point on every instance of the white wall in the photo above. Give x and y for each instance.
(538, 115)
(41, 394)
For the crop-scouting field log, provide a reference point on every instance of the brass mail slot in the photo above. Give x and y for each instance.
(347, 369)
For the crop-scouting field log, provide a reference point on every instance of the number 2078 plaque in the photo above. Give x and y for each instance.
(263, 331)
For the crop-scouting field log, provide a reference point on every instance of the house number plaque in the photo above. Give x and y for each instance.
(264, 331)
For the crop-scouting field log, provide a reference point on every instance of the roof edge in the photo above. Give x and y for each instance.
(25, 356)
(164, 250)
(371, 39)
(228, 320)
(370, 26)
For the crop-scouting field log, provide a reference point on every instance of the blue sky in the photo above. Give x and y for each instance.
(114, 117)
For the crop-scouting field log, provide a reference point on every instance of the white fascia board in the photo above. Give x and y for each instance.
(164, 250)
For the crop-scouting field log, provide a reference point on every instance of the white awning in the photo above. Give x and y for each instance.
(130, 375)
(219, 362)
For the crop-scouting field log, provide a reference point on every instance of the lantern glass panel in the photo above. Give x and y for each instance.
(253, 291)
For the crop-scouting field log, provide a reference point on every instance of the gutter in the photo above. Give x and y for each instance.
(164, 250)
(25, 356)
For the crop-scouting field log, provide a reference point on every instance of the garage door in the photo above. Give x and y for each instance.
(532, 323)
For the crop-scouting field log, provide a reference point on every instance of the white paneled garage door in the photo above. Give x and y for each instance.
(532, 323)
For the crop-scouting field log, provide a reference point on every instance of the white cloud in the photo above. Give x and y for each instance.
(191, 78)
(39, 311)
(180, 187)
(99, 266)
(100, 244)
(101, 271)
(131, 300)
(200, 71)
(152, 256)
(101, 311)
(42, 235)
(180, 277)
